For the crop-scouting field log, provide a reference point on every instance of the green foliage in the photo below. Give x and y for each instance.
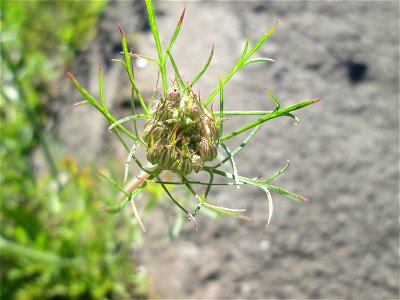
(56, 242)
(37, 38)
(154, 132)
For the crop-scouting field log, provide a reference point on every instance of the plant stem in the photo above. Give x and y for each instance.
(15, 249)
(132, 185)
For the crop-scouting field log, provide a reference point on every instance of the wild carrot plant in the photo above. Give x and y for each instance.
(182, 134)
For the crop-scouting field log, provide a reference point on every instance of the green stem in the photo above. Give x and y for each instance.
(17, 250)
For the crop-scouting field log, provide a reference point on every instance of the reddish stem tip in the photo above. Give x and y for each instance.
(303, 199)
(69, 74)
(318, 99)
(120, 29)
(182, 15)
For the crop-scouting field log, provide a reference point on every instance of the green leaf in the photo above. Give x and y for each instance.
(241, 62)
(136, 213)
(128, 196)
(228, 211)
(256, 60)
(269, 179)
(101, 86)
(120, 121)
(128, 160)
(128, 67)
(234, 169)
(204, 68)
(146, 58)
(174, 36)
(260, 41)
(288, 194)
(246, 45)
(278, 105)
(115, 184)
(272, 115)
(178, 76)
(154, 30)
(173, 199)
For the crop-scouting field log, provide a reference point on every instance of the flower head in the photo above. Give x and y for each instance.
(187, 130)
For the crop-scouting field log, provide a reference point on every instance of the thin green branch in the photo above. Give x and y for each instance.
(272, 115)
(128, 160)
(102, 110)
(221, 102)
(242, 61)
(128, 196)
(146, 58)
(174, 36)
(256, 60)
(230, 158)
(190, 216)
(120, 121)
(129, 68)
(136, 213)
(103, 104)
(154, 29)
(176, 70)
(204, 68)
(246, 113)
(241, 146)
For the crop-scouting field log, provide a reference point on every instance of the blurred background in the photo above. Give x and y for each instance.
(57, 242)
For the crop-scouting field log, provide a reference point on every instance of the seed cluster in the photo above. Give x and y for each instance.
(182, 133)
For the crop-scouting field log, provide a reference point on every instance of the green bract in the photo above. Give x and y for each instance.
(182, 134)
